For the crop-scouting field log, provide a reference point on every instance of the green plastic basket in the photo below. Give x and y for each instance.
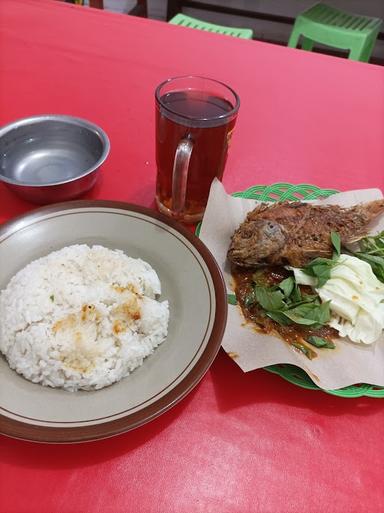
(291, 373)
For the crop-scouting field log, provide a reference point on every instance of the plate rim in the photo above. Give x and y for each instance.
(76, 434)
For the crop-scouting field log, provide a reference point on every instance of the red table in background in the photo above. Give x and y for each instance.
(239, 442)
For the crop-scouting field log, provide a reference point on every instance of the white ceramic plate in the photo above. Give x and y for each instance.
(192, 283)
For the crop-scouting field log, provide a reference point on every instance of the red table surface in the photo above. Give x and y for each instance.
(239, 442)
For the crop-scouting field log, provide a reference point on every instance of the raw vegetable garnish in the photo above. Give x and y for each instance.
(320, 268)
(286, 304)
(371, 250)
(351, 283)
(342, 294)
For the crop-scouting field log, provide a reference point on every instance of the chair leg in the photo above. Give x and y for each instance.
(307, 44)
(367, 50)
(294, 37)
(356, 52)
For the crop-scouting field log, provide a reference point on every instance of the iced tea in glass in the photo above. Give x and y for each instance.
(195, 117)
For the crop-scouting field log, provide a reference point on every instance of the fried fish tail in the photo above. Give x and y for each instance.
(360, 217)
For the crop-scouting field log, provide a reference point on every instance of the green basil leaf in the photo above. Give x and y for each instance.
(321, 342)
(301, 347)
(375, 261)
(308, 270)
(318, 261)
(231, 299)
(336, 242)
(309, 298)
(315, 301)
(322, 273)
(373, 244)
(297, 319)
(372, 251)
(287, 286)
(269, 299)
(296, 296)
(320, 268)
(280, 318)
(323, 312)
(309, 314)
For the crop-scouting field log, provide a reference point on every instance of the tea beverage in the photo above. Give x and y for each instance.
(193, 132)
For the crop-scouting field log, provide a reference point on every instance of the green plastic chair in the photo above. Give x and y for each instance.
(329, 26)
(187, 21)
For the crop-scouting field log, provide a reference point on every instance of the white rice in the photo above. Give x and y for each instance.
(81, 317)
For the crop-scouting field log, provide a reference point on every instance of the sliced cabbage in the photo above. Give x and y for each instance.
(301, 277)
(356, 299)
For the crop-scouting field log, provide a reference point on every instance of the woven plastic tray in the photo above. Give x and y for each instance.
(291, 373)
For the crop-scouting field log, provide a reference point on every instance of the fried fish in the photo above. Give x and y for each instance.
(294, 233)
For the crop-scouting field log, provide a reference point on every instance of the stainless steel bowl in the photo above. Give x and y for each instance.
(51, 158)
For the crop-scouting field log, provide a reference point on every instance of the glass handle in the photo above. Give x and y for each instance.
(180, 174)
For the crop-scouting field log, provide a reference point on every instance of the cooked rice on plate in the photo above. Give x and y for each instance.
(81, 318)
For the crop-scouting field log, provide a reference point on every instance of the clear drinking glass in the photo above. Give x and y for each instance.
(195, 118)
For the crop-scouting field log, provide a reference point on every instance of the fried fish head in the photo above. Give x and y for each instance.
(256, 242)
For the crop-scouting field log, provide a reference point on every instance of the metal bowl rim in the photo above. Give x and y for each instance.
(63, 118)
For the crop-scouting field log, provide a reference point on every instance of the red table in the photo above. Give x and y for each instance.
(239, 442)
